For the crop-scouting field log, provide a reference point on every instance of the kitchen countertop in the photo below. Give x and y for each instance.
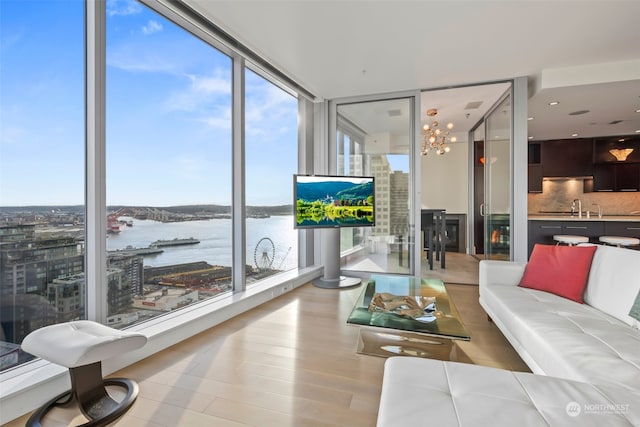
(566, 217)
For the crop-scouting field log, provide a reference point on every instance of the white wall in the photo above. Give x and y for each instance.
(445, 180)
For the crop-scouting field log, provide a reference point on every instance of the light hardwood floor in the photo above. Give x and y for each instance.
(459, 269)
(289, 362)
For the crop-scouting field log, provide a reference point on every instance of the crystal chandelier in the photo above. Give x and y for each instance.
(434, 138)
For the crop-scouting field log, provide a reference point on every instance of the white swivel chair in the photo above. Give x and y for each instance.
(81, 346)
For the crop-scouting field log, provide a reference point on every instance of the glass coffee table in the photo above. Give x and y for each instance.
(402, 315)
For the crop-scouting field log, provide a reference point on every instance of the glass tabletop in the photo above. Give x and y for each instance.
(408, 304)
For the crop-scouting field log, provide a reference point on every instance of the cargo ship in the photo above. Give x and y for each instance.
(175, 242)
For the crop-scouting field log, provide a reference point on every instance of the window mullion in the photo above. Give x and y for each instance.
(95, 187)
(238, 207)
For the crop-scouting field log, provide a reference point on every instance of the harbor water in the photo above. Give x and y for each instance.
(215, 240)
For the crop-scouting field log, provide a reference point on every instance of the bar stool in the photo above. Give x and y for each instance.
(81, 346)
(569, 239)
(620, 241)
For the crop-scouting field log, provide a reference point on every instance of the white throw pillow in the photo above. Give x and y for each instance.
(614, 282)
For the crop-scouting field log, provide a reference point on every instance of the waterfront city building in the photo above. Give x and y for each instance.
(27, 268)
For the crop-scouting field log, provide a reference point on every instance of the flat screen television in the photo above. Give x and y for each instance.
(324, 201)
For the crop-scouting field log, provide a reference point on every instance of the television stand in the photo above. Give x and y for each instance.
(331, 258)
(341, 283)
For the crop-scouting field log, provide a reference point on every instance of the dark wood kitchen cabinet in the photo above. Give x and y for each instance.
(585, 157)
(622, 229)
(602, 149)
(628, 177)
(543, 231)
(616, 177)
(567, 157)
(590, 229)
(535, 179)
(535, 167)
(611, 174)
(604, 177)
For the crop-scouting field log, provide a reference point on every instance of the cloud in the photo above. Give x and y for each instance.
(201, 93)
(131, 58)
(211, 84)
(220, 119)
(207, 98)
(267, 107)
(123, 7)
(151, 27)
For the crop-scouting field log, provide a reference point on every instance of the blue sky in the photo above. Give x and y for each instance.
(168, 112)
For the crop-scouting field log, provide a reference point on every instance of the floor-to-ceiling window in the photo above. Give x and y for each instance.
(42, 151)
(168, 153)
(167, 160)
(271, 159)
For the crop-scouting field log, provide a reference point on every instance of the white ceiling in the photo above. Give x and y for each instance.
(585, 54)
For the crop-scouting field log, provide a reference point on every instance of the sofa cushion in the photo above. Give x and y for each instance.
(425, 392)
(614, 282)
(560, 270)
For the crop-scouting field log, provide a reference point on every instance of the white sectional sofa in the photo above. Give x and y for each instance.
(595, 342)
(585, 358)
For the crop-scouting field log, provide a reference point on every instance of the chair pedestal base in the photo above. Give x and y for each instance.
(88, 391)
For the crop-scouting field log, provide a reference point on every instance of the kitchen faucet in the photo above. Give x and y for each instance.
(573, 207)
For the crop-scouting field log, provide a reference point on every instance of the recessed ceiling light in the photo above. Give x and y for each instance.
(530, 118)
(638, 110)
(574, 134)
(530, 137)
(552, 103)
(637, 130)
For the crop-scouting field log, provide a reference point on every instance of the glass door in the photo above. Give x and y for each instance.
(497, 181)
(373, 138)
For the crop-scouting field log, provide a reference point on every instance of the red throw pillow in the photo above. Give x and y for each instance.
(560, 270)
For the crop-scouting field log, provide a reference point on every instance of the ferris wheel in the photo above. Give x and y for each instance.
(264, 253)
